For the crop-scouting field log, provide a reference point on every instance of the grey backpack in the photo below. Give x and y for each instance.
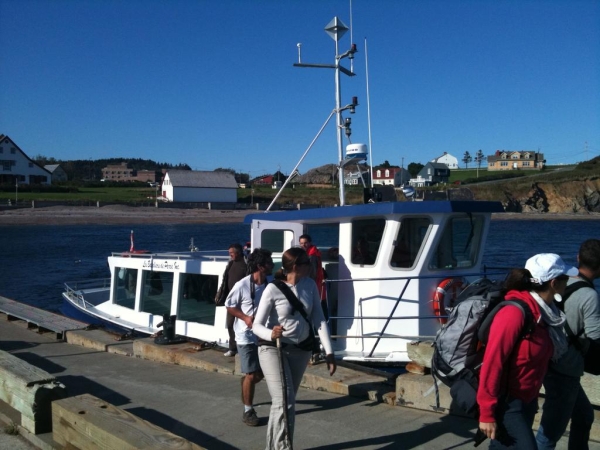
(460, 343)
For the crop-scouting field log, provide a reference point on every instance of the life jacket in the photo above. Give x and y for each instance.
(320, 277)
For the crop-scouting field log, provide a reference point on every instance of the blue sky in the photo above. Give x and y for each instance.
(210, 83)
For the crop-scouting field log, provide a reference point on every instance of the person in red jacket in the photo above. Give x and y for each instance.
(514, 366)
(316, 269)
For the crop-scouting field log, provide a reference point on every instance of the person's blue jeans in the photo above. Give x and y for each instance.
(565, 400)
(515, 421)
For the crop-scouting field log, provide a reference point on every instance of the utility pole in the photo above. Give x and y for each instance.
(402, 172)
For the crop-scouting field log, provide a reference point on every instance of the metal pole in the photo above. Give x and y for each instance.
(300, 162)
(338, 105)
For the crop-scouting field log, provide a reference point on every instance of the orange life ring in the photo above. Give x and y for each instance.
(444, 295)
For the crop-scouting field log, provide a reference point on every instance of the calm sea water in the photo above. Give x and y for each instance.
(39, 259)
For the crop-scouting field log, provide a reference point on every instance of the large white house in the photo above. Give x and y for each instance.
(199, 186)
(447, 159)
(17, 167)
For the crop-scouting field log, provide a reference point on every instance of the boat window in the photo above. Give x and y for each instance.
(197, 298)
(125, 287)
(409, 241)
(326, 235)
(157, 288)
(366, 240)
(274, 240)
(460, 243)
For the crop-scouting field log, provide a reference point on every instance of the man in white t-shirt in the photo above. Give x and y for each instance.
(241, 303)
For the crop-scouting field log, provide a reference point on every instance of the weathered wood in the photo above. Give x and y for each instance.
(421, 352)
(85, 422)
(30, 390)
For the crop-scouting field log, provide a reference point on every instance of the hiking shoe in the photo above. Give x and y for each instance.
(250, 418)
(229, 353)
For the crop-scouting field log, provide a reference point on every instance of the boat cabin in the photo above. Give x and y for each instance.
(384, 262)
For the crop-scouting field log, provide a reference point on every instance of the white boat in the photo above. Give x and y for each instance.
(413, 258)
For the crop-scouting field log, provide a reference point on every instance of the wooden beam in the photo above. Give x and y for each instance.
(85, 422)
(30, 391)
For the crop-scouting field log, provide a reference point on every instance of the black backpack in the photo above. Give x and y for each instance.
(460, 344)
(592, 356)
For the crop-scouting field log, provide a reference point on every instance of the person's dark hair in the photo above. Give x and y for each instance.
(589, 254)
(521, 280)
(288, 259)
(518, 280)
(306, 236)
(237, 247)
(258, 257)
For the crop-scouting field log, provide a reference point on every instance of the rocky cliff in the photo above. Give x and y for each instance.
(575, 196)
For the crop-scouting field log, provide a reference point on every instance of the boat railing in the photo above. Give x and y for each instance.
(381, 334)
(74, 289)
(206, 254)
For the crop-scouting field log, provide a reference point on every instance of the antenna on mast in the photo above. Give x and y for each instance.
(336, 29)
(368, 111)
(351, 38)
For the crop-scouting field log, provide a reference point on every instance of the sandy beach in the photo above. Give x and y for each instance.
(120, 214)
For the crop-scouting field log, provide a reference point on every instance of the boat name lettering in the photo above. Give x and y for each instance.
(171, 265)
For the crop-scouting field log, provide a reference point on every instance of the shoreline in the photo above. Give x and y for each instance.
(123, 215)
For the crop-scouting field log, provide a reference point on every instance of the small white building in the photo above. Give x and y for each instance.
(17, 167)
(446, 159)
(58, 173)
(199, 186)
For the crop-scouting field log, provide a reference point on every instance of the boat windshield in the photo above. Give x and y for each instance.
(125, 287)
(197, 298)
(157, 288)
(411, 237)
(459, 244)
(366, 238)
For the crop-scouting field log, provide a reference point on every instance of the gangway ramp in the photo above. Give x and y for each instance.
(40, 319)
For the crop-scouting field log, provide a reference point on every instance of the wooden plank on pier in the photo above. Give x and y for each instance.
(30, 390)
(39, 318)
(85, 421)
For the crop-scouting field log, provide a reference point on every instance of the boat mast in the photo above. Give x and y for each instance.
(336, 32)
(336, 29)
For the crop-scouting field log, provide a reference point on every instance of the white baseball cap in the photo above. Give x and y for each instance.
(548, 266)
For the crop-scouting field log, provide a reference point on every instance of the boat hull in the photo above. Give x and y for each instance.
(74, 311)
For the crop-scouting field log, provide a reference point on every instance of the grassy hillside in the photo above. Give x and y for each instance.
(486, 186)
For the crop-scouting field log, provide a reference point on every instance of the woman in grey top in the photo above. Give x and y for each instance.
(276, 318)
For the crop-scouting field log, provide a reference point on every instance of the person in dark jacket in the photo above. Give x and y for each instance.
(235, 271)
(565, 400)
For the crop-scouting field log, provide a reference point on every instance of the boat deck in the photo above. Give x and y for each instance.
(44, 321)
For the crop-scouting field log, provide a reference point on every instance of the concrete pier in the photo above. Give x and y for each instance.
(194, 393)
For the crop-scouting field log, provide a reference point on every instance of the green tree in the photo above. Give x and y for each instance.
(467, 159)
(478, 160)
(414, 168)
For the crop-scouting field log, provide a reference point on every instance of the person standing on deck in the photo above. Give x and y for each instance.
(316, 269)
(235, 271)
(242, 303)
(565, 399)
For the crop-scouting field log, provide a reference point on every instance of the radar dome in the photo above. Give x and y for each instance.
(356, 151)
